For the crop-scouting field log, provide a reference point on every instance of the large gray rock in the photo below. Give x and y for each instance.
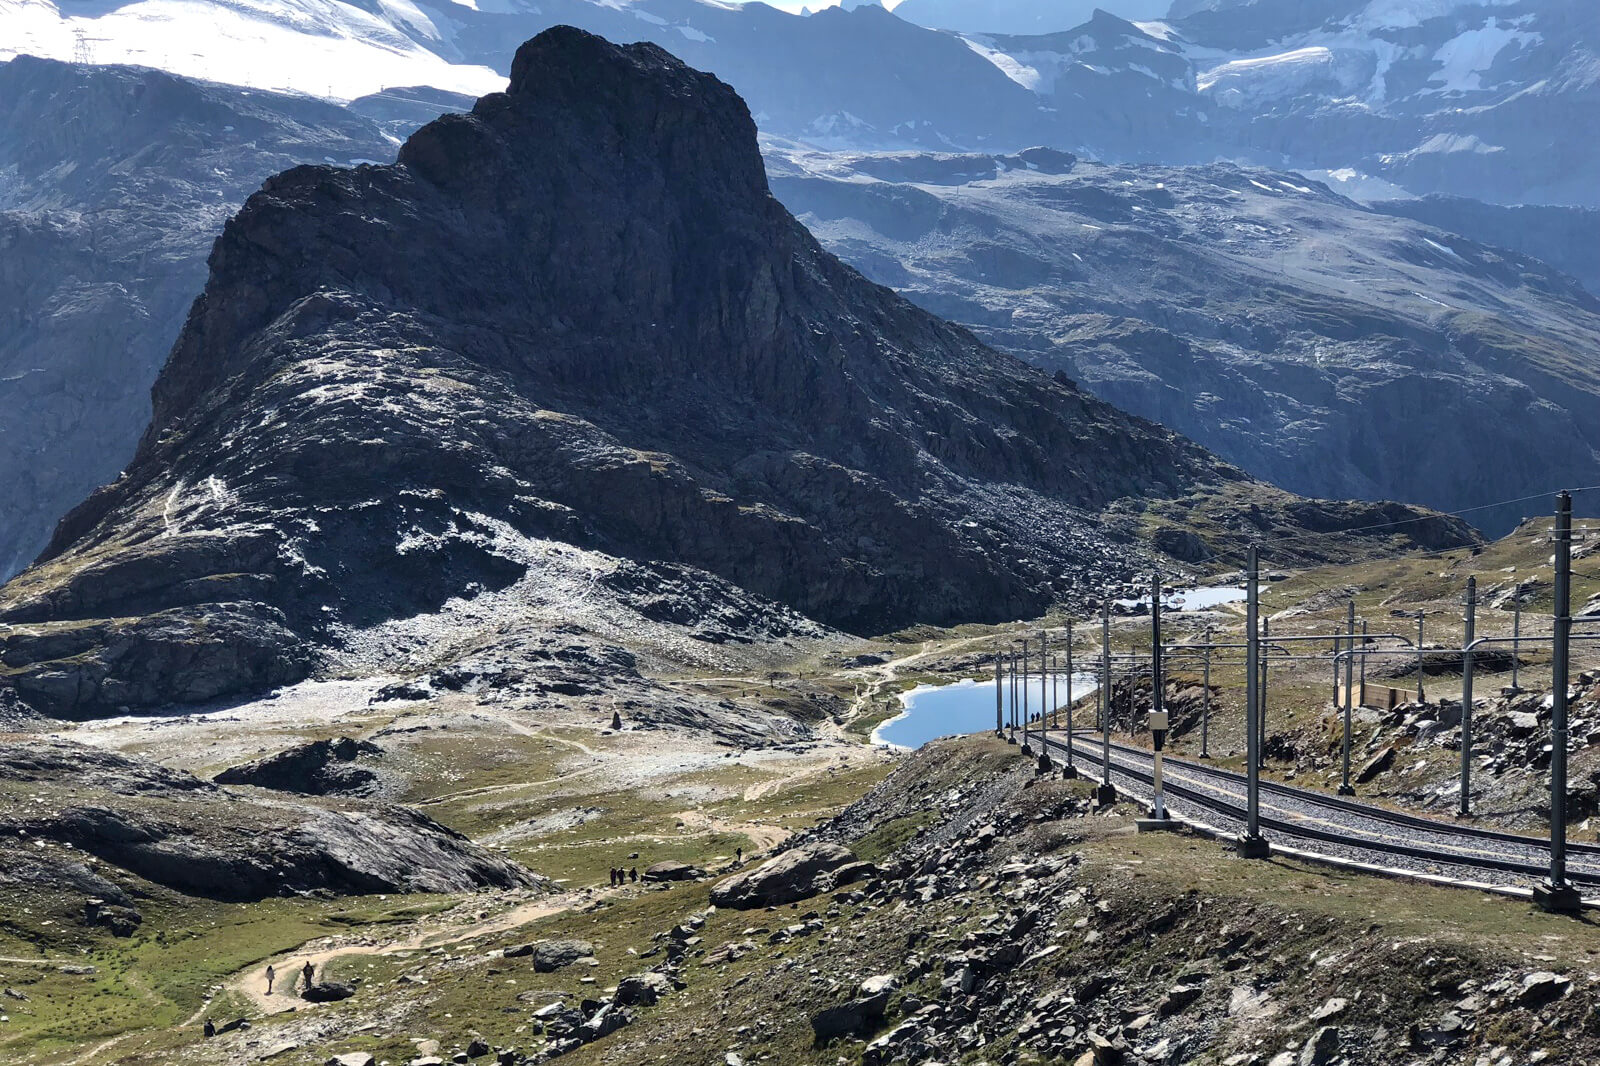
(552, 955)
(642, 989)
(1541, 988)
(797, 874)
(327, 992)
(671, 870)
(316, 768)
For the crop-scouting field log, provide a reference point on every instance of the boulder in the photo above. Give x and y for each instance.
(327, 992)
(1541, 988)
(672, 871)
(603, 1022)
(797, 874)
(552, 955)
(1321, 1048)
(641, 989)
(860, 1015)
(1379, 763)
(120, 920)
(317, 768)
(1521, 724)
(352, 1058)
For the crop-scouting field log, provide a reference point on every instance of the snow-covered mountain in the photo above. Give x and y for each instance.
(1481, 98)
(1021, 16)
(328, 48)
(840, 76)
(1476, 98)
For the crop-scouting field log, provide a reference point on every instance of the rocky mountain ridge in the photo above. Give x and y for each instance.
(577, 317)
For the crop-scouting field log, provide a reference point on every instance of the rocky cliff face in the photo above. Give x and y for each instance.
(113, 183)
(574, 315)
(1331, 349)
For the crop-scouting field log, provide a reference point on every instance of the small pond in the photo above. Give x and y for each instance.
(962, 707)
(1195, 599)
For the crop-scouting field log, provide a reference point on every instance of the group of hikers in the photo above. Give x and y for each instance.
(621, 876)
(308, 974)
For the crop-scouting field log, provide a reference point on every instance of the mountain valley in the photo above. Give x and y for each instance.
(426, 500)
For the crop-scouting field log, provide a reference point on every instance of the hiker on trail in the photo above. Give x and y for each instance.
(271, 974)
(738, 855)
(210, 1029)
(613, 877)
(633, 874)
(309, 972)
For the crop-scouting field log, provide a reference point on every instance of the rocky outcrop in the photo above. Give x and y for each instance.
(192, 655)
(797, 874)
(316, 768)
(577, 315)
(175, 830)
(668, 870)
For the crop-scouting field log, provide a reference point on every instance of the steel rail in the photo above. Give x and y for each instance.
(1234, 808)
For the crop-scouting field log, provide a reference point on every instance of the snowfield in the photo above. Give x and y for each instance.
(318, 47)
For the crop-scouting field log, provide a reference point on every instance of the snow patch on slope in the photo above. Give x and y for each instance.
(1240, 81)
(318, 47)
(1464, 59)
(1011, 66)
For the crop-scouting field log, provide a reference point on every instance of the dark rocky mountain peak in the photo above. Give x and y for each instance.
(574, 316)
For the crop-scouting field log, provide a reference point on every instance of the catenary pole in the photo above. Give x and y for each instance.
(1361, 692)
(1261, 715)
(1557, 894)
(1345, 787)
(1072, 766)
(1252, 845)
(1516, 636)
(1024, 693)
(999, 702)
(1011, 716)
(1107, 792)
(1466, 696)
(1421, 696)
(1044, 699)
(1155, 644)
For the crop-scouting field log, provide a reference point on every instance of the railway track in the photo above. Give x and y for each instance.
(1316, 821)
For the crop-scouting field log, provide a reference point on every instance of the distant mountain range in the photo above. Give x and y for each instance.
(1334, 349)
(1461, 97)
